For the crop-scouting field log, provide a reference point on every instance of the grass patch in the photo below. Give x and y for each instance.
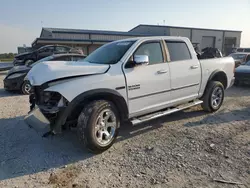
(6, 60)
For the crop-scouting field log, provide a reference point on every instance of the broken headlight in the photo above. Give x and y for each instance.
(53, 99)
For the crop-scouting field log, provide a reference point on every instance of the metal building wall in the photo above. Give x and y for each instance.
(151, 30)
(237, 35)
(108, 37)
(198, 34)
(180, 32)
(70, 36)
(45, 34)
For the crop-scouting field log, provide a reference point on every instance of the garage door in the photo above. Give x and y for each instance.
(207, 42)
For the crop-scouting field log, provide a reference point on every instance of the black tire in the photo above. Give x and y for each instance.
(24, 87)
(207, 97)
(87, 123)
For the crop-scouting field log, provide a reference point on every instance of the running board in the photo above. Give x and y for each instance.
(165, 112)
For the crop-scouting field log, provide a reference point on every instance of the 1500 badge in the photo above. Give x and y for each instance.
(133, 87)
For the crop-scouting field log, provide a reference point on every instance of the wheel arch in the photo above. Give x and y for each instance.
(219, 75)
(74, 108)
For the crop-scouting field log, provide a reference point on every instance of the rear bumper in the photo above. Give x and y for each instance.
(37, 120)
(232, 82)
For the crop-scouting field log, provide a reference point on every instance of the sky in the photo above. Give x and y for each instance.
(21, 21)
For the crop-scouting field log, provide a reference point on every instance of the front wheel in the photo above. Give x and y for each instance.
(98, 125)
(213, 96)
(26, 88)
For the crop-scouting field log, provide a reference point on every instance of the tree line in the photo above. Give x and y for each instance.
(7, 55)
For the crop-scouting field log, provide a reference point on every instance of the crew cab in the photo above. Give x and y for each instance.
(132, 80)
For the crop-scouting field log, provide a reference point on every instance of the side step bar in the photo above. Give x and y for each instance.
(165, 112)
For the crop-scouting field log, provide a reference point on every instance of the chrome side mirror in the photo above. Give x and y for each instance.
(141, 59)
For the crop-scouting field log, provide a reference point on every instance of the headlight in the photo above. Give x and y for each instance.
(53, 99)
(15, 75)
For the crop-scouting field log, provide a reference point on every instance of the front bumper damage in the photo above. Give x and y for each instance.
(44, 118)
(37, 120)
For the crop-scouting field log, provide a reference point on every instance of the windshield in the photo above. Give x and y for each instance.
(42, 60)
(110, 53)
(239, 56)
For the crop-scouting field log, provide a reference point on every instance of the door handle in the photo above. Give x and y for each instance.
(194, 67)
(162, 71)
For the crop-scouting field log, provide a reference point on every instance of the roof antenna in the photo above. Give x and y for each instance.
(163, 22)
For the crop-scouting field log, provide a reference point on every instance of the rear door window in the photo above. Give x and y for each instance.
(178, 50)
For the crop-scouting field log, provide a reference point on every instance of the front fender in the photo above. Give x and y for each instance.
(86, 97)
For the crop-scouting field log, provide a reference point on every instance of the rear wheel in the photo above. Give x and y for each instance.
(213, 97)
(26, 88)
(98, 125)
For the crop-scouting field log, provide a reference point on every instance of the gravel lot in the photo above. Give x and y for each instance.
(185, 149)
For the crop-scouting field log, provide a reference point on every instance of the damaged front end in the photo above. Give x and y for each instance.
(46, 110)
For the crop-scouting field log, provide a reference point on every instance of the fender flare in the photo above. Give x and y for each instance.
(108, 94)
(217, 71)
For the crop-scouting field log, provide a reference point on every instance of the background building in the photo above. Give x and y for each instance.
(23, 49)
(89, 40)
(224, 40)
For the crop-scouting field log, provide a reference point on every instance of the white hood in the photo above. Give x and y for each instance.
(52, 70)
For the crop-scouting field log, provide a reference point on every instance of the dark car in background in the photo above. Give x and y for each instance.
(45, 51)
(14, 79)
(242, 74)
(240, 57)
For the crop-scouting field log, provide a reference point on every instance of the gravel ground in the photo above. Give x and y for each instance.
(185, 149)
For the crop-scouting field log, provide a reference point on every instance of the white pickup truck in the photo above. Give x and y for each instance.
(135, 79)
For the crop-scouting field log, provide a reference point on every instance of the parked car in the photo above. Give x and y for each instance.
(45, 51)
(240, 57)
(242, 50)
(127, 80)
(15, 77)
(242, 74)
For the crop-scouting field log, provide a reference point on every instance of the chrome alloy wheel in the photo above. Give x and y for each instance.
(27, 88)
(217, 96)
(105, 127)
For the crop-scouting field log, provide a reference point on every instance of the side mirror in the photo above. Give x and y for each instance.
(141, 59)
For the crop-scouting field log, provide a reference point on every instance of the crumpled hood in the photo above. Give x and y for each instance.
(243, 69)
(53, 70)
